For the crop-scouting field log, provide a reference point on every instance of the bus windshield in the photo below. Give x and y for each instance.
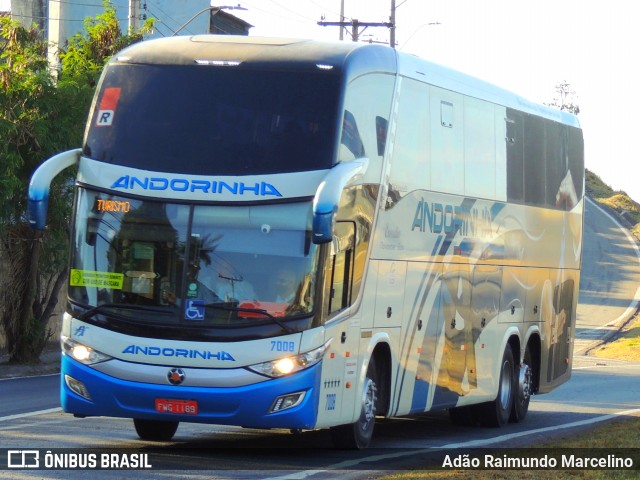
(192, 265)
(214, 120)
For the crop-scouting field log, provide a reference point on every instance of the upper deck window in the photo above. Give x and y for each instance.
(208, 120)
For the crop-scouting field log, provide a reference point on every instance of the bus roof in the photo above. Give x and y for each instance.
(349, 58)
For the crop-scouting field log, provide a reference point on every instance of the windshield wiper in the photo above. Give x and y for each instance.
(124, 306)
(276, 320)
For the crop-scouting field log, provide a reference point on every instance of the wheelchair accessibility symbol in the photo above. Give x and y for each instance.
(194, 310)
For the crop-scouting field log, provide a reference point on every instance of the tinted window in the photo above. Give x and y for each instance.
(545, 162)
(534, 160)
(214, 120)
(515, 156)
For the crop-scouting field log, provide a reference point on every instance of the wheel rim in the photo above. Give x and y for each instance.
(505, 385)
(525, 381)
(368, 403)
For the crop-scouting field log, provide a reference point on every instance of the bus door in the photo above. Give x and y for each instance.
(338, 385)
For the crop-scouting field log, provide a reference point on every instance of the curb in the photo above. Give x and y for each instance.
(49, 365)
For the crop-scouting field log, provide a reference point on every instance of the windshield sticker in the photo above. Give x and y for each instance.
(192, 290)
(108, 105)
(194, 310)
(91, 278)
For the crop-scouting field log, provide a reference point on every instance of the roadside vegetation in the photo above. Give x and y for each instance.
(616, 201)
(42, 114)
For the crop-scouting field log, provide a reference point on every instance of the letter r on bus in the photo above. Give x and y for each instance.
(105, 118)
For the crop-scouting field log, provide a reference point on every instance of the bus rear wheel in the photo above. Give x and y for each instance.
(524, 388)
(497, 412)
(155, 430)
(358, 435)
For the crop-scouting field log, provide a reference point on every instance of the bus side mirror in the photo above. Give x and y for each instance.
(323, 227)
(38, 196)
(325, 202)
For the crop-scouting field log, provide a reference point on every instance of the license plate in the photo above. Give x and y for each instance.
(182, 407)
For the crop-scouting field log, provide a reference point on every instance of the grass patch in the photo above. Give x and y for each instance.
(625, 346)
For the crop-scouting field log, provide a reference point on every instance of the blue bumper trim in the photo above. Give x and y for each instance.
(245, 406)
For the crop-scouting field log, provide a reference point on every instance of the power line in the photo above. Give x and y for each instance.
(156, 6)
(324, 8)
(55, 19)
(101, 5)
(291, 11)
(274, 14)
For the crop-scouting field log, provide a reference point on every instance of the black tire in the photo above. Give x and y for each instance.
(155, 430)
(498, 412)
(356, 436)
(523, 390)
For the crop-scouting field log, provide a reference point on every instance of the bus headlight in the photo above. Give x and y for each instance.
(288, 365)
(80, 352)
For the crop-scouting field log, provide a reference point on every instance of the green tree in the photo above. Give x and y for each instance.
(86, 54)
(33, 126)
(41, 116)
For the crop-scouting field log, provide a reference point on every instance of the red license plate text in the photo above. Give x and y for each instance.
(182, 407)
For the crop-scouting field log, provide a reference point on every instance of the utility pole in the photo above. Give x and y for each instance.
(392, 28)
(355, 26)
(341, 19)
(134, 15)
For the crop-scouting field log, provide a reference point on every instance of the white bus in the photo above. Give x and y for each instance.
(297, 234)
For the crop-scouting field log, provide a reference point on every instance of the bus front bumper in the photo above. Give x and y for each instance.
(247, 406)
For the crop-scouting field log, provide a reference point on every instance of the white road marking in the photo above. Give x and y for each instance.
(30, 414)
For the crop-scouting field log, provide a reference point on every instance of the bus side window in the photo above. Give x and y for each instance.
(340, 267)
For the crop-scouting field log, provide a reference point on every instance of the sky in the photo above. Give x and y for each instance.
(524, 46)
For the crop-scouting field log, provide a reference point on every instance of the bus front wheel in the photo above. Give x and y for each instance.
(155, 430)
(358, 435)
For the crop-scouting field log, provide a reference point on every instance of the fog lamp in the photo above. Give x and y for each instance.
(77, 386)
(289, 400)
